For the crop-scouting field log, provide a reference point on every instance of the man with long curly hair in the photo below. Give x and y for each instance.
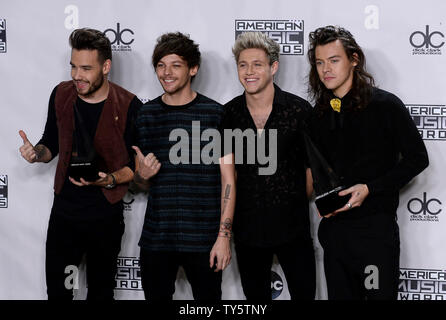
(368, 137)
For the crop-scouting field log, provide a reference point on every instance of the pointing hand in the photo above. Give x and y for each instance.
(27, 149)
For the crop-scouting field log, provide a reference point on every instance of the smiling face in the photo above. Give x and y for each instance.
(87, 72)
(254, 70)
(334, 68)
(174, 74)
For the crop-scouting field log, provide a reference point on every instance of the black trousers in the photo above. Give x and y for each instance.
(67, 242)
(296, 259)
(361, 257)
(159, 273)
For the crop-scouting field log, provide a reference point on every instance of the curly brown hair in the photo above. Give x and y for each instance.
(363, 82)
(179, 44)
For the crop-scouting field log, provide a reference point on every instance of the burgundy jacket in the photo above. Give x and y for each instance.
(109, 138)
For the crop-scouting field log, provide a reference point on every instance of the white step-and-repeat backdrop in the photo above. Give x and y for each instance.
(405, 47)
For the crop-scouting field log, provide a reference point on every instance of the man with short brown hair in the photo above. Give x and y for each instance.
(89, 126)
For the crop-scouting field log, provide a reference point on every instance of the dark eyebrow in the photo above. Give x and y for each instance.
(84, 66)
(175, 61)
(335, 56)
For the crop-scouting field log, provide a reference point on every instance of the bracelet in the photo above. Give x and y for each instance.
(225, 234)
(112, 184)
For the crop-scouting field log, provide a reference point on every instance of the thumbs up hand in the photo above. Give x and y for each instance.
(27, 149)
(147, 166)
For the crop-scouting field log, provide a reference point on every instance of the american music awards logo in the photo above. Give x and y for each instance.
(128, 275)
(422, 284)
(430, 120)
(289, 34)
(2, 35)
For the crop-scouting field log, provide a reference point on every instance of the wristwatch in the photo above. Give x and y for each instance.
(112, 184)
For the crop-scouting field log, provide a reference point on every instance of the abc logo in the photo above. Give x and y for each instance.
(424, 206)
(119, 35)
(128, 198)
(419, 39)
(3, 191)
(276, 285)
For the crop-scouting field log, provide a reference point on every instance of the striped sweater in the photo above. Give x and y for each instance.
(183, 207)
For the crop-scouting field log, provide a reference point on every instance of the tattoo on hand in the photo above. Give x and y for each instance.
(226, 198)
(225, 229)
(40, 151)
(226, 225)
(227, 191)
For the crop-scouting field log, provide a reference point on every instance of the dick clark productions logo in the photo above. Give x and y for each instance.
(426, 42)
(120, 39)
(424, 209)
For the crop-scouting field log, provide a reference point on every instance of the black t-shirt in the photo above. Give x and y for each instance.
(86, 202)
(271, 209)
(378, 145)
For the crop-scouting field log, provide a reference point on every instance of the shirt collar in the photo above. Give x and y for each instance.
(279, 97)
(346, 100)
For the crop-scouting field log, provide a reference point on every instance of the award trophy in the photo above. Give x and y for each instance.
(326, 182)
(83, 163)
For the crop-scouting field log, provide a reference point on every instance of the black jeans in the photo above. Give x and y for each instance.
(296, 259)
(68, 240)
(361, 257)
(159, 272)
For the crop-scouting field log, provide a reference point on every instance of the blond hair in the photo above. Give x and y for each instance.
(256, 40)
